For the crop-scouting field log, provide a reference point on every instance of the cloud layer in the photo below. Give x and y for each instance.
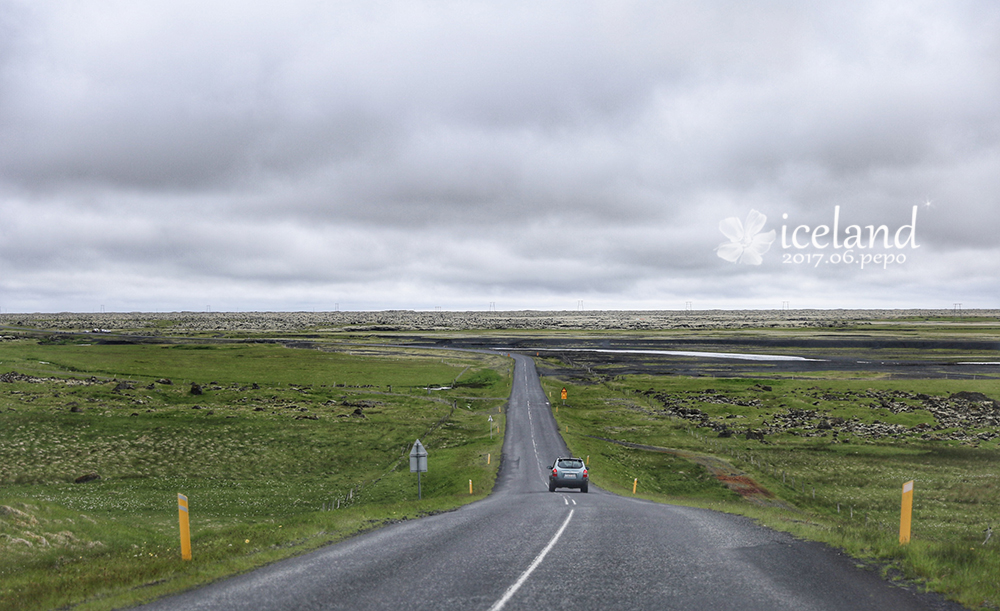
(171, 155)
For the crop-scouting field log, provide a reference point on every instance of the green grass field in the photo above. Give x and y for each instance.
(282, 451)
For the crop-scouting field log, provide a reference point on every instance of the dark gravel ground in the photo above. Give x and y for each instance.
(897, 359)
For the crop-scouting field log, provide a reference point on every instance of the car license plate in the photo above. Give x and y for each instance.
(571, 476)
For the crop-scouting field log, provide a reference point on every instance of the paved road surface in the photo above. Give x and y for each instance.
(526, 548)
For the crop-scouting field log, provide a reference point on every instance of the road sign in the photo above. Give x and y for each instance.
(418, 463)
(418, 458)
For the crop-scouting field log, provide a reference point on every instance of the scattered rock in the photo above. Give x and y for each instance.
(89, 477)
(123, 385)
(165, 381)
(964, 411)
(976, 397)
(13, 376)
(196, 389)
(17, 514)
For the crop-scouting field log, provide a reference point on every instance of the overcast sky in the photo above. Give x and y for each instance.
(161, 156)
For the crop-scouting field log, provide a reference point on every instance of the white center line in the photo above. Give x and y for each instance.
(534, 565)
(534, 446)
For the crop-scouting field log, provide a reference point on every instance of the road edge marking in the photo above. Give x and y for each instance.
(531, 568)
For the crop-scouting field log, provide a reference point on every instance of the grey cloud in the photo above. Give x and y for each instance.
(525, 151)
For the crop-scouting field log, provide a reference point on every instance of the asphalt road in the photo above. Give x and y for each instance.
(527, 548)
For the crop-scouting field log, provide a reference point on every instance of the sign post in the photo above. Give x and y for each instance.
(906, 513)
(418, 463)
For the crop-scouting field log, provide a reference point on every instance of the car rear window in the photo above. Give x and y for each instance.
(571, 464)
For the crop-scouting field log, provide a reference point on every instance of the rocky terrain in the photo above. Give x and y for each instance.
(963, 416)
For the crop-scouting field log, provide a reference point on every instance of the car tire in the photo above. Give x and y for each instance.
(552, 486)
(584, 489)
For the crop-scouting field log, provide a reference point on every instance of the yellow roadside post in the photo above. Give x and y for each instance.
(906, 513)
(470, 486)
(182, 510)
(634, 484)
(488, 459)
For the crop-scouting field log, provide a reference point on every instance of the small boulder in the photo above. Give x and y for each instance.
(89, 477)
(196, 389)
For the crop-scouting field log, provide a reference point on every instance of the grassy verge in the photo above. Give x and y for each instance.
(835, 454)
(278, 450)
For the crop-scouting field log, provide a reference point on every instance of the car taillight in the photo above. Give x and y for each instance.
(585, 473)
(555, 473)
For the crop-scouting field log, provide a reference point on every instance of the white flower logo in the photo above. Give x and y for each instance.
(746, 243)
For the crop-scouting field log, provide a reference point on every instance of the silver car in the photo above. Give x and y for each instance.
(569, 473)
